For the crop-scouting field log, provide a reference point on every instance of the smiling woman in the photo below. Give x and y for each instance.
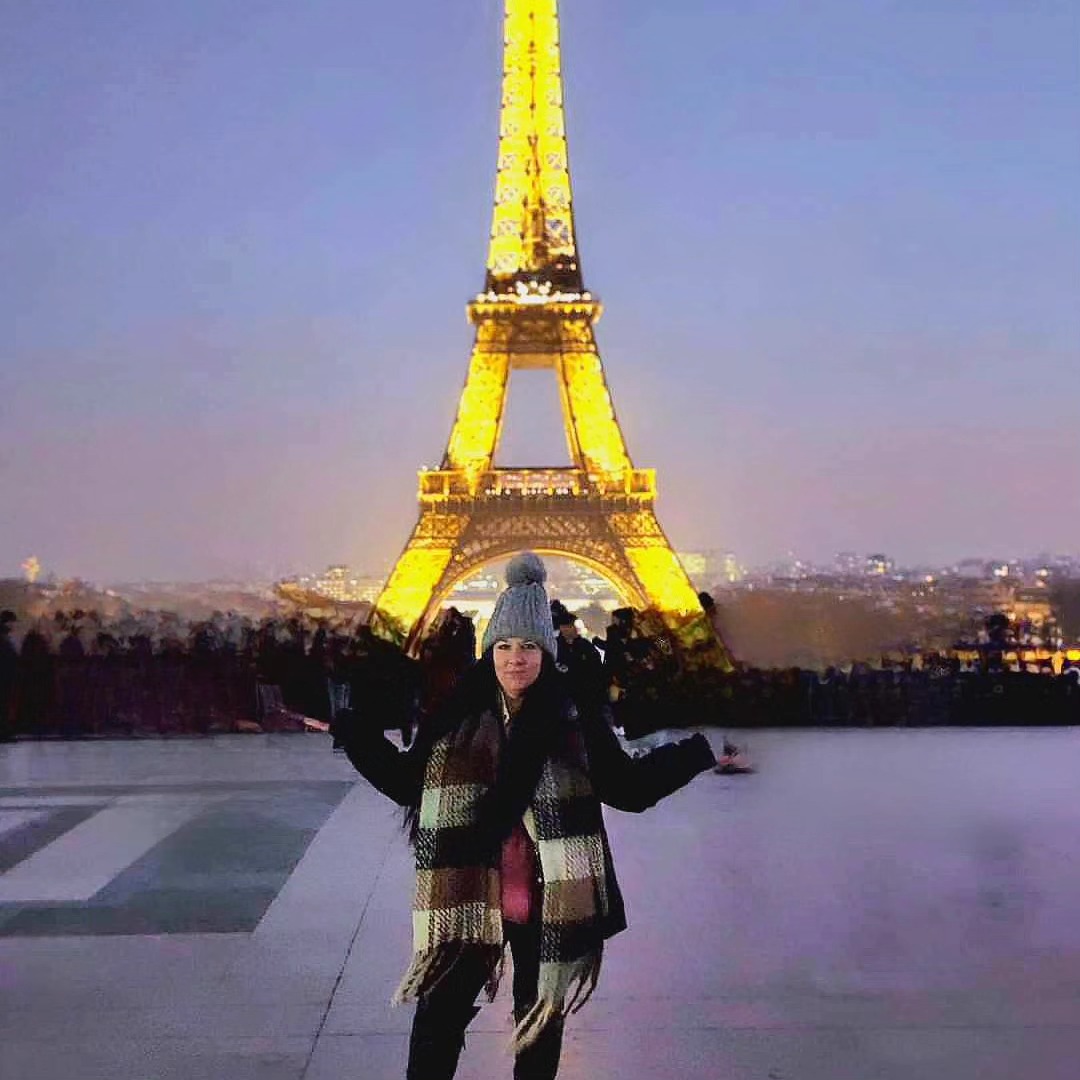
(504, 791)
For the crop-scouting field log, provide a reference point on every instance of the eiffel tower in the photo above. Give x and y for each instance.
(535, 313)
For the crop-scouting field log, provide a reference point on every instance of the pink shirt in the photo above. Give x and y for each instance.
(518, 874)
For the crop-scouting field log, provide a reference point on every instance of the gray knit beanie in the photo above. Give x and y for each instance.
(523, 611)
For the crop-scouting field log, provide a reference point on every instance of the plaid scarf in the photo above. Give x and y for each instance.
(456, 909)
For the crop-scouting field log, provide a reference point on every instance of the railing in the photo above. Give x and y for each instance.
(570, 484)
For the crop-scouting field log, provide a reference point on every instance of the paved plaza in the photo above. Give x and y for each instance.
(872, 905)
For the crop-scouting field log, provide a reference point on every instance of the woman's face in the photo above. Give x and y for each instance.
(517, 665)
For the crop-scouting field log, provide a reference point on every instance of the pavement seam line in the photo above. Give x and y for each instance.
(391, 839)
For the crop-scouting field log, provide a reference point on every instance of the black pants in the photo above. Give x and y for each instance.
(438, 1031)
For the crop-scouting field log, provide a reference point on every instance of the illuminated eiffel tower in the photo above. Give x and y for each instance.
(535, 312)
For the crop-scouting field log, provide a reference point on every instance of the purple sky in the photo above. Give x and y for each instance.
(838, 243)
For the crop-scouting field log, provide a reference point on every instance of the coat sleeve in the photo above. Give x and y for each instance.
(396, 773)
(635, 784)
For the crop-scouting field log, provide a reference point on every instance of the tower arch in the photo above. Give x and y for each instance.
(628, 592)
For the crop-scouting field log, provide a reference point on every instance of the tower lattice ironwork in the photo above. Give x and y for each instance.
(535, 313)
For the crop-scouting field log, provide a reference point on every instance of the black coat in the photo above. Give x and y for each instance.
(618, 780)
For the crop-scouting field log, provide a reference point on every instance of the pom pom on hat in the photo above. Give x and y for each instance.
(526, 569)
(523, 610)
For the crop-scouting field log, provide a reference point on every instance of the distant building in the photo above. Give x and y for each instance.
(341, 584)
(879, 565)
(1032, 606)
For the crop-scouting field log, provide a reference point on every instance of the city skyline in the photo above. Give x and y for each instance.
(839, 565)
(840, 268)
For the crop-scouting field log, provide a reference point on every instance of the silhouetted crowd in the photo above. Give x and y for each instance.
(75, 675)
(650, 687)
(943, 693)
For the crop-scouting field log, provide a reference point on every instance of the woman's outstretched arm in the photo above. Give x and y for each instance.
(397, 774)
(637, 783)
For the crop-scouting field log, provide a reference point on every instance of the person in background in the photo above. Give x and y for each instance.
(617, 643)
(576, 656)
(503, 791)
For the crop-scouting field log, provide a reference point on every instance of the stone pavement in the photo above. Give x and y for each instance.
(872, 905)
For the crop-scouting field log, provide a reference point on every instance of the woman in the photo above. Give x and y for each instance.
(503, 793)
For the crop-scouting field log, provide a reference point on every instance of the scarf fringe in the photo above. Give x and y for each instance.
(428, 969)
(580, 982)
(586, 981)
(533, 1024)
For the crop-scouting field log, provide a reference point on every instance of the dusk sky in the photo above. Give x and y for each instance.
(838, 245)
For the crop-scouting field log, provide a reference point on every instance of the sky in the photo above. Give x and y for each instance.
(838, 245)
